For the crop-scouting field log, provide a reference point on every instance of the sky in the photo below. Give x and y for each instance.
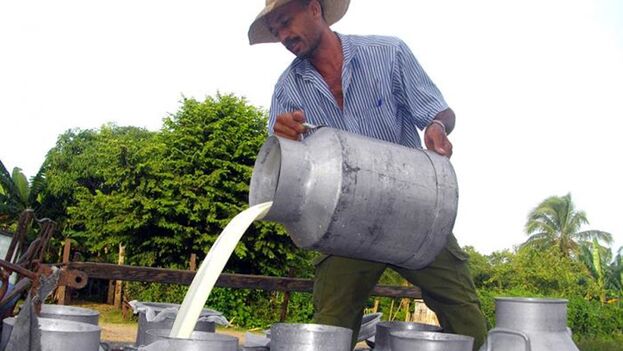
(537, 87)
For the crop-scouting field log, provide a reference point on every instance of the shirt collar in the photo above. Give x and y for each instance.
(305, 69)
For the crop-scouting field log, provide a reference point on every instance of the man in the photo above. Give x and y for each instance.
(373, 86)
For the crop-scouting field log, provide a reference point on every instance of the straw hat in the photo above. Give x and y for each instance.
(333, 11)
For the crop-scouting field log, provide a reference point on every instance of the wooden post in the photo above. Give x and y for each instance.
(407, 309)
(284, 307)
(110, 299)
(286, 299)
(63, 293)
(375, 309)
(193, 262)
(119, 283)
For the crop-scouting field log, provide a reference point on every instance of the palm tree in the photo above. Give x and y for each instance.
(556, 222)
(17, 194)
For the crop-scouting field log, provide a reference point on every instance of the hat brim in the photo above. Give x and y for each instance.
(332, 11)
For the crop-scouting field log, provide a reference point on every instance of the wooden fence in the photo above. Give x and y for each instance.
(226, 280)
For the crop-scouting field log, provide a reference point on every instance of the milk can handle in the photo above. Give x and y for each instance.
(525, 337)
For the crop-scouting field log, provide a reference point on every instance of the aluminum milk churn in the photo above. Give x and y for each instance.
(309, 337)
(349, 195)
(530, 324)
(413, 340)
(383, 329)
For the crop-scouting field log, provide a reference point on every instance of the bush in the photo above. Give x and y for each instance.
(592, 319)
(245, 308)
(154, 292)
(608, 343)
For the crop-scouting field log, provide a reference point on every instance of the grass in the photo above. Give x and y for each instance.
(614, 343)
(108, 313)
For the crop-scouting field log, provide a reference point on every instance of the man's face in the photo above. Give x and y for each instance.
(296, 26)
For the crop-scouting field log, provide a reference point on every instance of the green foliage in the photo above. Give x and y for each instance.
(615, 273)
(596, 258)
(17, 194)
(487, 305)
(242, 307)
(548, 272)
(556, 222)
(606, 343)
(21, 185)
(104, 179)
(168, 194)
(209, 156)
(479, 265)
(591, 318)
(154, 292)
(538, 271)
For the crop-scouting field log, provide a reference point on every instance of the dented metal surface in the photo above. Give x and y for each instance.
(349, 195)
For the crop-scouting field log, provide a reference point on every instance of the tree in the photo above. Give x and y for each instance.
(556, 222)
(104, 181)
(168, 194)
(18, 195)
(479, 267)
(209, 153)
(614, 274)
(596, 258)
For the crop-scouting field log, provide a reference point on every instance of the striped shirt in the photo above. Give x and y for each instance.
(387, 94)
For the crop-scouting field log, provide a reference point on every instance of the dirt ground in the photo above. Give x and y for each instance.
(126, 333)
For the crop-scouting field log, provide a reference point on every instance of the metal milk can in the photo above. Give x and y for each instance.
(383, 329)
(70, 313)
(411, 340)
(349, 195)
(309, 337)
(59, 335)
(166, 322)
(530, 324)
(198, 339)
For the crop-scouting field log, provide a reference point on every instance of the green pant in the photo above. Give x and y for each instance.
(342, 287)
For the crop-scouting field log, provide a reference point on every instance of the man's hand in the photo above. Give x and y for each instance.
(436, 140)
(290, 125)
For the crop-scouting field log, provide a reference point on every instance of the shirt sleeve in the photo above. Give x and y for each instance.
(277, 107)
(417, 96)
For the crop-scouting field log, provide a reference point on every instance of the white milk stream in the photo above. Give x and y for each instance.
(211, 268)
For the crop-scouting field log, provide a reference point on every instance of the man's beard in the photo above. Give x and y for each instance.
(305, 54)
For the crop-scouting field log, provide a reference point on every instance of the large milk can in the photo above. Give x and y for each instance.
(411, 340)
(530, 324)
(190, 345)
(59, 335)
(158, 315)
(70, 313)
(383, 329)
(309, 337)
(205, 340)
(349, 195)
